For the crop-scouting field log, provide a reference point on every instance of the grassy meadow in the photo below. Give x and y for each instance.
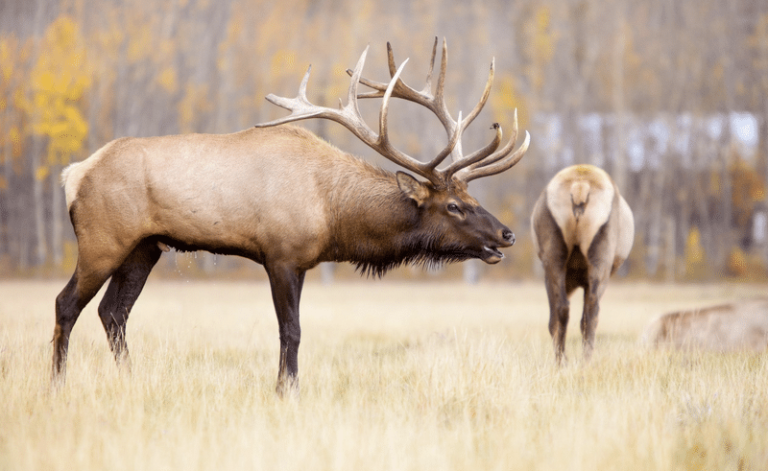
(394, 376)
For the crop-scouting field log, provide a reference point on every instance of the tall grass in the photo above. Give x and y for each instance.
(393, 376)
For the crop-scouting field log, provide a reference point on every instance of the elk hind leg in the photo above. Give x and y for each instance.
(590, 315)
(124, 288)
(558, 311)
(90, 274)
(599, 265)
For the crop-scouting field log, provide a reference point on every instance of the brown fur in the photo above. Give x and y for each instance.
(582, 230)
(279, 196)
(736, 326)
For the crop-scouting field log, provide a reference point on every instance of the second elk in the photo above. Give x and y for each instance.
(583, 231)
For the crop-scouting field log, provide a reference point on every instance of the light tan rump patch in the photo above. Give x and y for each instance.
(584, 185)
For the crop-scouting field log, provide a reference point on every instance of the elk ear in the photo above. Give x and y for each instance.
(412, 188)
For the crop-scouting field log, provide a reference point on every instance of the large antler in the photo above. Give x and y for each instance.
(484, 162)
(349, 116)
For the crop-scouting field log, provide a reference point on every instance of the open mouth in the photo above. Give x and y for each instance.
(491, 255)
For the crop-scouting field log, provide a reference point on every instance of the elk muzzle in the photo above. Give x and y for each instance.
(503, 238)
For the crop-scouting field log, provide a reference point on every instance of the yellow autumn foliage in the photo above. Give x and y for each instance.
(6, 59)
(195, 102)
(168, 80)
(41, 173)
(57, 82)
(541, 44)
(506, 101)
(283, 63)
(695, 257)
(737, 264)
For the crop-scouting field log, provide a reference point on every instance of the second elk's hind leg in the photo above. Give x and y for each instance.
(553, 253)
(598, 272)
(122, 292)
(591, 314)
(558, 310)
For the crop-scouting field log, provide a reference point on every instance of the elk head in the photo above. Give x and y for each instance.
(460, 228)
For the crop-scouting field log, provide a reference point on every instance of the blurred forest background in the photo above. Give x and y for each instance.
(668, 96)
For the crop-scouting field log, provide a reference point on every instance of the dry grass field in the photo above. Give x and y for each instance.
(394, 376)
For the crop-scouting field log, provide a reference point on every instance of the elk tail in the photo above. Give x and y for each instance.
(65, 173)
(579, 198)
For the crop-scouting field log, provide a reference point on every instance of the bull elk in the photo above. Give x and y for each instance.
(282, 197)
(582, 231)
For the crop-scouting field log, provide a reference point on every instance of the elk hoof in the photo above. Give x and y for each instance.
(288, 388)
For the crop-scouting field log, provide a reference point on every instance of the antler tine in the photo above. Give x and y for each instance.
(383, 113)
(439, 98)
(354, 82)
(502, 165)
(499, 161)
(391, 60)
(478, 155)
(495, 157)
(428, 85)
(297, 106)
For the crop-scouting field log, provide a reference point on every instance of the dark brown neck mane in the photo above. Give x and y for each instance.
(381, 228)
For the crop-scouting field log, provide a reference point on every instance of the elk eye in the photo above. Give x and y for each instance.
(454, 208)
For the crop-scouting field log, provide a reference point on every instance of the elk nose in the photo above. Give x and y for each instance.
(508, 236)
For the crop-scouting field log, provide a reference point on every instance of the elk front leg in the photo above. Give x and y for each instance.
(558, 311)
(286, 283)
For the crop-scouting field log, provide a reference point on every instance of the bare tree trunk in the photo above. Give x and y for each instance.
(619, 164)
(670, 263)
(15, 225)
(57, 218)
(6, 154)
(38, 205)
(724, 227)
(684, 206)
(654, 219)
